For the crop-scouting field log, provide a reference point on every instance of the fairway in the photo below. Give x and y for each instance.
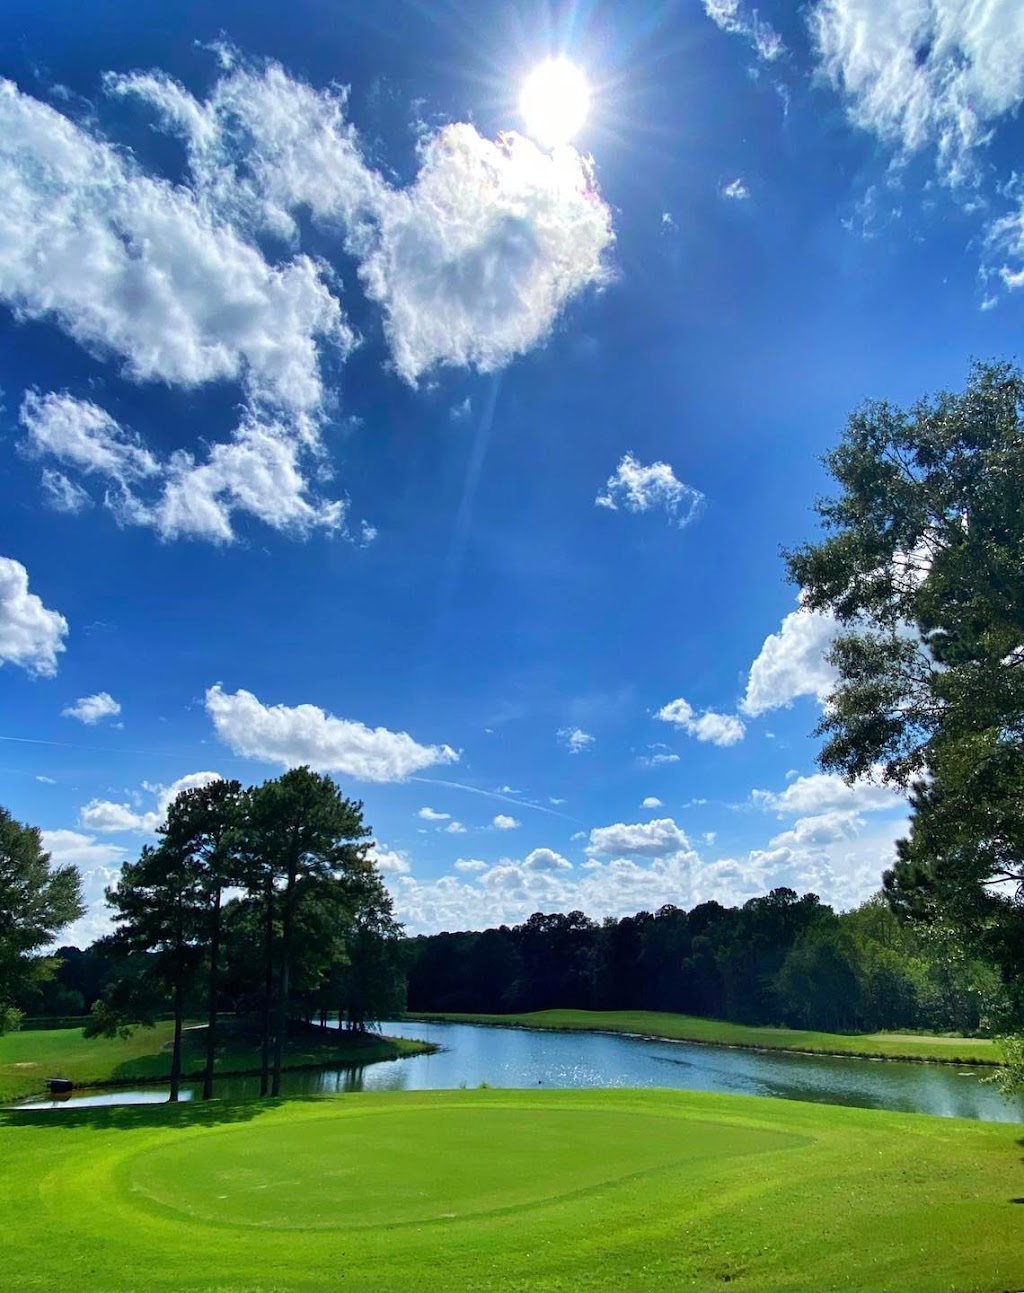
(508, 1190)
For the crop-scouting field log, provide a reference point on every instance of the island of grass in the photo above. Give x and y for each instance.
(508, 1190)
(28, 1058)
(718, 1032)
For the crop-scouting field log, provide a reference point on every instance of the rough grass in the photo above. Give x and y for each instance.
(28, 1058)
(508, 1190)
(691, 1028)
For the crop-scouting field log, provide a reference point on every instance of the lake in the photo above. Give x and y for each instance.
(515, 1057)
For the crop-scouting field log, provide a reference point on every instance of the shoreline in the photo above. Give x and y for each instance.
(759, 1047)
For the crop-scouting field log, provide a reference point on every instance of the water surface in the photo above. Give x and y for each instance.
(516, 1057)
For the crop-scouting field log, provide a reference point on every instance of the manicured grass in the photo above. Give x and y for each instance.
(691, 1028)
(28, 1058)
(508, 1190)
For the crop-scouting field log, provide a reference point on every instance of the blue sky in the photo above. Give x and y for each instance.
(348, 419)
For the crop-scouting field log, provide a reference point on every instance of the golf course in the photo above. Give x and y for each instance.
(508, 1190)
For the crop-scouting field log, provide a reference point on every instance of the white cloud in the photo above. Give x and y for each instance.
(925, 73)
(791, 663)
(455, 828)
(636, 488)
(736, 191)
(470, 865)
(575, 739)
(47, 781)
(504, 823)
(294, 735)
(429, 815)
(99, 866)
(30, 635)
(258, 473)
(734, 17)
(656, 838)
(138, 268)
(546, 860)
(62, 494)
(473, 263)
(718, 729)
(827, 792)
(657, 759)
(390, 861)
(108, 817)
(459, 412)
(90, 709)
(652, 802)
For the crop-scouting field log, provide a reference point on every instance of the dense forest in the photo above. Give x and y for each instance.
(777, 959)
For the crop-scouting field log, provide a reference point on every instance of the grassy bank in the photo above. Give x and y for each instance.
(28, 1058)
(508, 1190)
(690, 1028)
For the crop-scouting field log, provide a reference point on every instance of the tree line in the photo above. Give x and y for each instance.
(781, 958)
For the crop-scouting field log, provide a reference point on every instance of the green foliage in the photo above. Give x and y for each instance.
(1010, 1075)
(36, 901)
(923, 565)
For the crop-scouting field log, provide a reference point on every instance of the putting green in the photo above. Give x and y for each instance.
(376, 1168)
(508, 1192)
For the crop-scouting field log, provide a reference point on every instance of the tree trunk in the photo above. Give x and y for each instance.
(283, 987)
(179, 1008)
(211, 1020)
(268, 988)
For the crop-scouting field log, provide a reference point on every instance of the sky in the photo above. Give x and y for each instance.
(353, 414)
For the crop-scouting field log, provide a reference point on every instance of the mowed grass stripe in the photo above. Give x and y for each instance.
(551, 1190)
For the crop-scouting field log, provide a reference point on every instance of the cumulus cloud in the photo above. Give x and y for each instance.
(825, 792)
(546, 860)
(110, 817)
(736, 191)
(656, 838)
(504, 823)
(31, 635)
(390, 862)
(718, 729)
(99, 865)
(471, 264)
(90, 709)
(575, 739)
(736, 18)
(791, 663)
(469, 866)
(636, 488)
(819, 829)
(135, 267)
(305, 734)
(925, 75)
(652, 801)
(455, 828)
(430, 815)
(260, 472)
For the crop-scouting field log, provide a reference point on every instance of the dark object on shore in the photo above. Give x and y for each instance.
(59, 1086)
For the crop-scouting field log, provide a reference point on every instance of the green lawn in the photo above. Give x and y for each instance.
(27, 1058)
(691, 1028)
(508, 1190)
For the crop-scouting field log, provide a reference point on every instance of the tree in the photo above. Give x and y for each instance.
(159, 905)
(203, 822)
(36, 901)
(923, 567)
(304, 830)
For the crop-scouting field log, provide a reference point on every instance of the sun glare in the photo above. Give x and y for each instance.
(554, 102)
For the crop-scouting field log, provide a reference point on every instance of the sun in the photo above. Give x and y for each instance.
(555, 102)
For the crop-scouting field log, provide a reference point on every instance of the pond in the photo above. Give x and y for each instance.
(514, 1057)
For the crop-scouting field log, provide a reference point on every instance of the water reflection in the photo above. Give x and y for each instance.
(512, 1057)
